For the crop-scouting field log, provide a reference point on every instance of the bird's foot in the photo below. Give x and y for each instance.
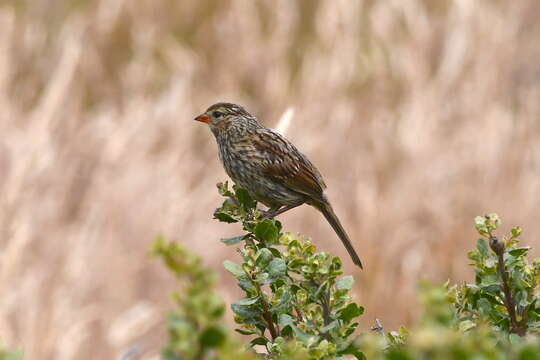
(273, 212)
(268, 214)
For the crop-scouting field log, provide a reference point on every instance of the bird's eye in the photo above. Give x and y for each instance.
(216, 114)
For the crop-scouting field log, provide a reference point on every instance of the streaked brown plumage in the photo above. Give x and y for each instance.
(269, 166)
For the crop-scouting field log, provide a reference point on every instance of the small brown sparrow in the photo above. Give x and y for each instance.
(269, 166)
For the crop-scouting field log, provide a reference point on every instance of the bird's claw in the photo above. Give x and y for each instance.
(268, 214)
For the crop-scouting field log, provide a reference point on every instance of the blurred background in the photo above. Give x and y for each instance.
(421, 114)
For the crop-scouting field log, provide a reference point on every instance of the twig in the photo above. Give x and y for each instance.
(266, 312)
(325, 301)
(299, 315)
(498, 247)
(379, 329)
(325, 304)
(268, 317)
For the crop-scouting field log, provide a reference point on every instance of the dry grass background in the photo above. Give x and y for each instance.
(420, 113)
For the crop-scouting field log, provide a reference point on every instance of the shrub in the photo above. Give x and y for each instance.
(506, 289)
(292, 293)
(296, 302)
(10, 354)
(195, 326)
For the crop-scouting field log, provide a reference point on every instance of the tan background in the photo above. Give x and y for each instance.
(420, 114)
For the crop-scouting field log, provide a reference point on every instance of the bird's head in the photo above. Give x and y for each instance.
(223, 117)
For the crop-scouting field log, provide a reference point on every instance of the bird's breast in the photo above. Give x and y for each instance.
(238, 161)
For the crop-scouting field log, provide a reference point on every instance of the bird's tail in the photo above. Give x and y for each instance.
(329, 214)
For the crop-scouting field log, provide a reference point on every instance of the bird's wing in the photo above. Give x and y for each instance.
(283, 162)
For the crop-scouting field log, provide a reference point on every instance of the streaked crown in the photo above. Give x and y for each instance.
(223, 108)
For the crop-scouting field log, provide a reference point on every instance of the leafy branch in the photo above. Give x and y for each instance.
(505, 292)
(291, 292)
(498, 248)
(296, 303)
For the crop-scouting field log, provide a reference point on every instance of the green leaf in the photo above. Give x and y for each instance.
(393, 336)
(277, 268)
(158, 246)
(284, 304)
(224, 217)
(232, 240)
(258, 341)
(345, 283)
(482, 247)
(262, 278)
(245, 332)
(233, 268)
(519, 251)
(330, 326)
(351, 349)
(247, 301)
(303, 336)
(466, 325)
(484, 304)
(403, 332)
(275, 252)
(350, 312)
(245, 199)
(177, 322)
(491, 262)
(480, 225)
(167, 354)
(264, 257)
(515, 339)
(473, 255)
(516, 231)
(493, 221)
(266, 231)
(223, 189)
(245, 312)
(351, 329)
(245, 284)
(212, 337)
(285, 319)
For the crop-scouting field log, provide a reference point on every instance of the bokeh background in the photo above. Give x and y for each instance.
(421, 114)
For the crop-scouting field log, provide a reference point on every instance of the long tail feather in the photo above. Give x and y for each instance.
(329, 214)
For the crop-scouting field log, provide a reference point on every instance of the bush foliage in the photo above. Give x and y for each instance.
(11, 354)
(296, 302)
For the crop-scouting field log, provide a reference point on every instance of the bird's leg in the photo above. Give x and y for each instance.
(273, 213)
(270, 212)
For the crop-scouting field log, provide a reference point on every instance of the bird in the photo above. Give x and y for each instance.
(269, 167)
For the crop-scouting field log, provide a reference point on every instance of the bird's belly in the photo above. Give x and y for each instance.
(269, 192)
(252, 178)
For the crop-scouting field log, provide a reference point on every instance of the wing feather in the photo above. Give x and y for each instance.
(283, 162)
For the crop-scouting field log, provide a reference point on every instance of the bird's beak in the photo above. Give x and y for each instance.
(203, 118)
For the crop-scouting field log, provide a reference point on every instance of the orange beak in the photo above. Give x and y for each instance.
(203, 118)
